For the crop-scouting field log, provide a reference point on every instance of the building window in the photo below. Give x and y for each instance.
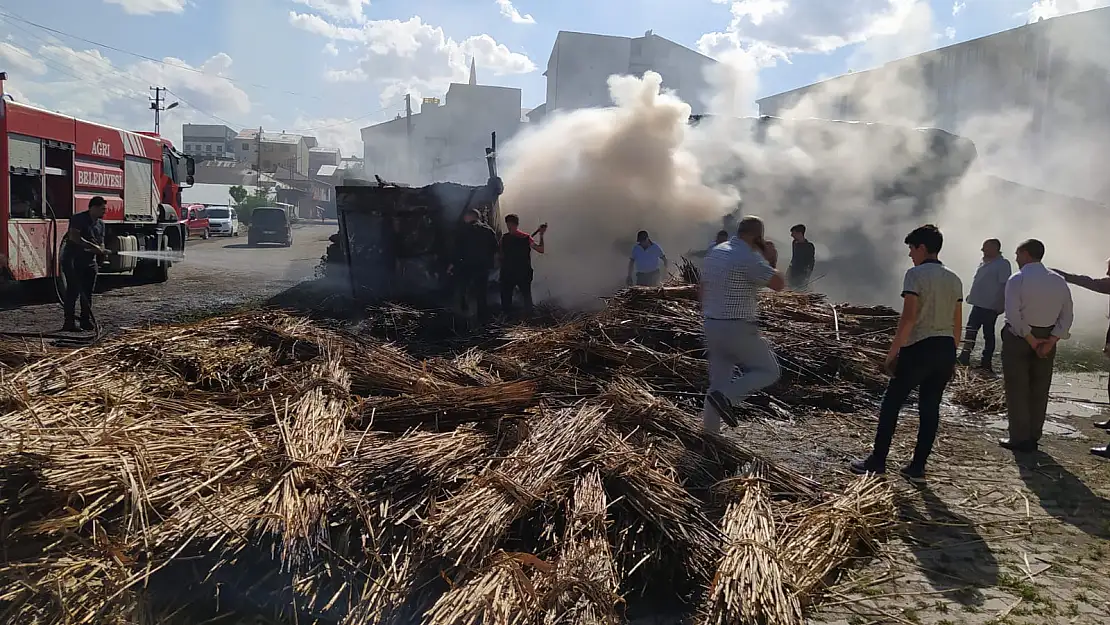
(246, 146)
(207, 147)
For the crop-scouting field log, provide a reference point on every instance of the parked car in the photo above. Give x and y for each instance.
(196, 221)
(222, 220)
(270, 224)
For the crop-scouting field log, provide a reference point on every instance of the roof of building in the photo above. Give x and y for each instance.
(270, 137)
(218, 131)
(327, 170)
(323, 150)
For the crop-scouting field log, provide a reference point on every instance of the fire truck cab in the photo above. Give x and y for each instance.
(54, 164)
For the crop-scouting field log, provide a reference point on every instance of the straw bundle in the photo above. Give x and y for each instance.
(822, 539)
(470, 523)
(448, 407)
(584, 587)
(312, 434)
(752, 584)
(502, 594)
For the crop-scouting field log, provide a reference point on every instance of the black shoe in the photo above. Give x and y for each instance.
(964, 359)
(1103, 425)
(88, 326)
(863, 467)
(1101, 452)
(70, 327)
(913, 473)
(723, 406)
(1021, 447)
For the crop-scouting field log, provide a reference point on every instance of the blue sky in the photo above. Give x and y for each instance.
(328, 67)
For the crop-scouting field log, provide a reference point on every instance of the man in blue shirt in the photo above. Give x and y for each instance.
(988, 301)
(647, 260)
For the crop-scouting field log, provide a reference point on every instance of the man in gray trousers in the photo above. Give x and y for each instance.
(1038, 315)
(732, 275)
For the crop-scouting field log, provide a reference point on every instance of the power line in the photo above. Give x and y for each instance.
(6, 13)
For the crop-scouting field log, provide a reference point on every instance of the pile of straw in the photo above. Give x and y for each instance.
(265, 468)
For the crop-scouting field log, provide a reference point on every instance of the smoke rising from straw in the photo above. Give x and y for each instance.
(600, 175)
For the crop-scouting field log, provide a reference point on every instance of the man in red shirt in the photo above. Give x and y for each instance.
(516, 264)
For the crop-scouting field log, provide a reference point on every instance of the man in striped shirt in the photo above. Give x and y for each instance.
(733, 274)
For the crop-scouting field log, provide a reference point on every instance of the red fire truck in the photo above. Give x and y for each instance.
(54, 164)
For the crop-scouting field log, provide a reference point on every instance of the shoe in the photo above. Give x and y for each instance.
(913, 473)
(1020, 447)
(723, 407)
(986, 368)
(88, 326)
(1101, 452)
(1103, 425)
(864, 467)
(70, 327)
(964, 359)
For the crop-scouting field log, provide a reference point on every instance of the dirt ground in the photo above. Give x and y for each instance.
(217, 274)
(992, 537)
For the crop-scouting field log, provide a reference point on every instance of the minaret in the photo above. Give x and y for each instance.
(473, 73)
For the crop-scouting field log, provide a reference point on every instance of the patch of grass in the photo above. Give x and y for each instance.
(1020, 587)
(911, 615)
(1073, 610)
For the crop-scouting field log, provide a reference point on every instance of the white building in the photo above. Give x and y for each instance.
(207, 141)
(279, 150)
(580, 65)
(443, 141)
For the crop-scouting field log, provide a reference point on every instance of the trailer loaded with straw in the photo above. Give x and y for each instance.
(266, 468)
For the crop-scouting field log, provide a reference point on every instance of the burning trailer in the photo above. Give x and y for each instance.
(396, 241)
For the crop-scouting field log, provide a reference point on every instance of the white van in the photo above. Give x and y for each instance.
(223, 220)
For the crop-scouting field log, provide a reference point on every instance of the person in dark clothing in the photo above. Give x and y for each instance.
(81, 254)
(803, 257)
(1098, 285)
(475, 253)
(516, 264)
(922, 355)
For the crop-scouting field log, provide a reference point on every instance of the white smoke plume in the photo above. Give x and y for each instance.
(600, 175)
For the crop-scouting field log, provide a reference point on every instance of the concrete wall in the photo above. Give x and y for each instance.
(580, 65)
(207, 140)
(448, 141)
(1033, 99)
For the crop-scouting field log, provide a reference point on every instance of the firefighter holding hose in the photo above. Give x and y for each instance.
(81, 254)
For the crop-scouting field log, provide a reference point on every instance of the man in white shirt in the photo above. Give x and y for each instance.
(988, 300)
(647, 260)
(732, 276)
(1038, 315)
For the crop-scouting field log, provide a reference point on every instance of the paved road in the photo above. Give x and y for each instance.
(217, 273)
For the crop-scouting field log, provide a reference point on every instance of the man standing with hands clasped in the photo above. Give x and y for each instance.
(923, 353)
(1038, 315)
(732, 275)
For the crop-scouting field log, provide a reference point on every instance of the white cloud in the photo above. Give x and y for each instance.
(331, 49)
(19, 59)
(150, 7)
(509, 11)
(1055, 8)
(411, 56)
(950, 33)
(338, 9)
(958, 7)
(86, 84)
(781, 28)
(336, 133)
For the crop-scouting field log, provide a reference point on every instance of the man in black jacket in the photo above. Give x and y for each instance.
(475, 252)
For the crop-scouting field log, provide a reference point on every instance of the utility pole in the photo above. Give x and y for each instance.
(258, 156)
(156, 106)
(408, 134)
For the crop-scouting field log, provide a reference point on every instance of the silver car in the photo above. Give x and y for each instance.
(222, 220)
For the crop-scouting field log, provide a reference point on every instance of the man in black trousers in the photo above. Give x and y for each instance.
(516, 264)
(922, 355)
(475, 254)
(81, 254)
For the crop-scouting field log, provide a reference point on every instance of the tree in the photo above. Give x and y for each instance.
(237, 193)
(260, 197)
